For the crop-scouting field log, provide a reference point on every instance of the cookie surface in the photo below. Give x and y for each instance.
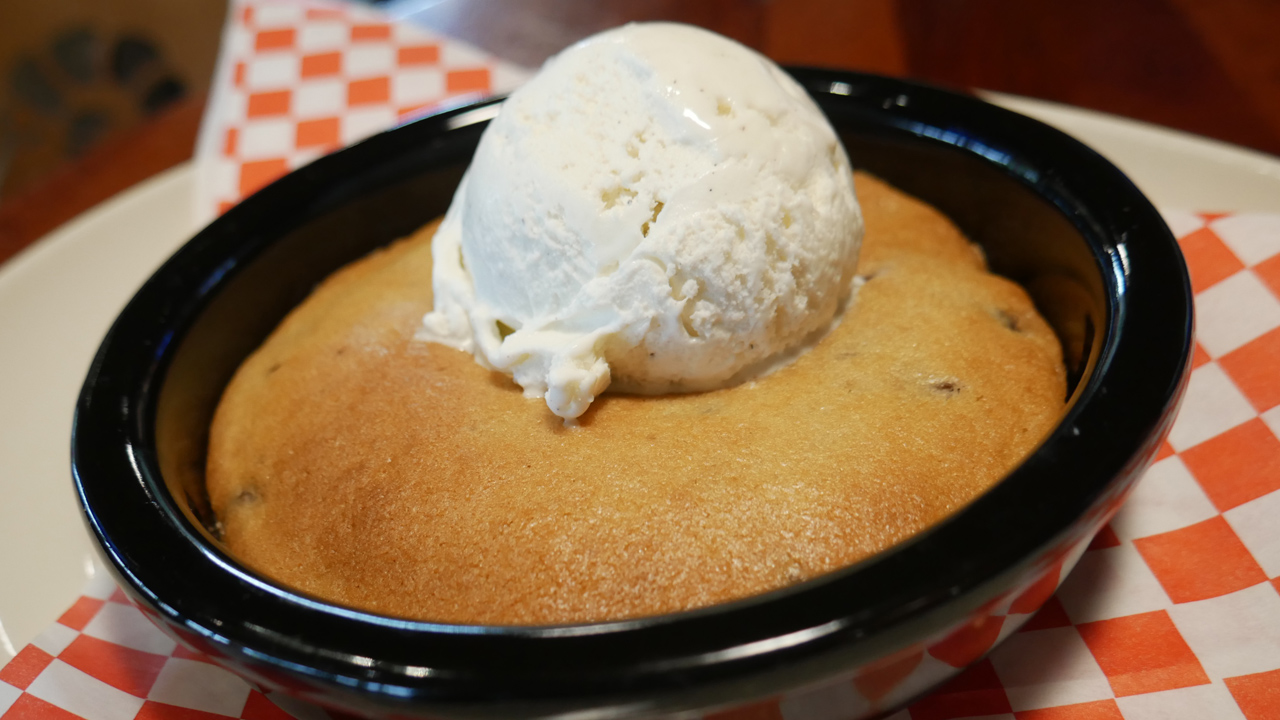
(351, 462)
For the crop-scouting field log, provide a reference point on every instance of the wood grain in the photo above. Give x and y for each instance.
(1143, 59)
(862, 35)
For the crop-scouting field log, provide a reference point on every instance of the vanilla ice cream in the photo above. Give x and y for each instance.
(659, 210)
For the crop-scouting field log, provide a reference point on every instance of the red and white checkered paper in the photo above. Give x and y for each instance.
(1172, 613)
(297, 79)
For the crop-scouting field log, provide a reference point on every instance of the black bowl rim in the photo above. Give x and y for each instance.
(1120, 414)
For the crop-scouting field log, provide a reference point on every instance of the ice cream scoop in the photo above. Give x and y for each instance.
(660, 209)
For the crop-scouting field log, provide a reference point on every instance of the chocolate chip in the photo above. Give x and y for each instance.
(947, 386)
(1007, 319)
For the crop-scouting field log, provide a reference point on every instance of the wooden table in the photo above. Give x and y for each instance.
(1210, 67)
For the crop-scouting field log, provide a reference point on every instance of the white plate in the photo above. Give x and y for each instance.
(1175, 169)
(58, 298)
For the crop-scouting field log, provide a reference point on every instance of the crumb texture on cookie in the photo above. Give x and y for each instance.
(351, 462)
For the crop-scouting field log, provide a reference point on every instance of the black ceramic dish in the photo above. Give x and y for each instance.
(1050, 213)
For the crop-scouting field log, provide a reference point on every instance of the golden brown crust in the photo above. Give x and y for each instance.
(354, 463)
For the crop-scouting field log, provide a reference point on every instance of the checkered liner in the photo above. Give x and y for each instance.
(297, 79)
(1172, 612)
